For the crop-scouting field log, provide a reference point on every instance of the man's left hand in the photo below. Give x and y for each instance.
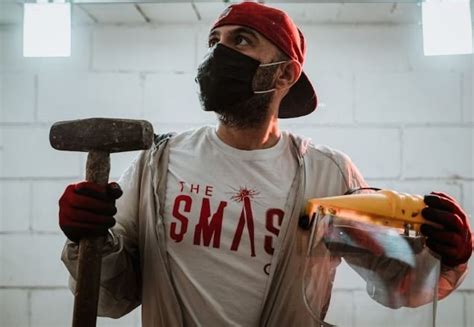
(454, 241)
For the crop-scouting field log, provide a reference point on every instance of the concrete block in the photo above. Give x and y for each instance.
(18, 97)
(32, 260)
(27, 153)
(14, 308)
(375, 151)
(373, 48)
(12, 51)
(72, 96)
(139, 317)
(43, 302)
(348, 279)
(468, 206)
(202, 35)
(63, 301)
(419, 62)
(120, 162)
(438, 152)
(15, 198)
(15, 62)
(335, 93)
(468, 199)
(45, 209)
(2, 55)
(468, 283)
(341, 309)
(173, 99)
(451, 311)
(467, 92)
(408, 97)
(369, 313)
(2, 78)
(80, 58)
(154, 48)
(468, 305)
(356, 48)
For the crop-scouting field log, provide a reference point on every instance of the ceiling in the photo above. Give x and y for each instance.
(179, 12)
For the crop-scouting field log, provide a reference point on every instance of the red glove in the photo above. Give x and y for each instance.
(454, 242)
(87, 209)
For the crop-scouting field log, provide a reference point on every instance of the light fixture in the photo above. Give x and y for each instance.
(47, 29)
(447, 27)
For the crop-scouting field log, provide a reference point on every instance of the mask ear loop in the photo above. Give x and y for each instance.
(263, 92)
(273, 63)
(269, 65)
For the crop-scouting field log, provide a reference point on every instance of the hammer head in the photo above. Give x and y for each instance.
(101, 134)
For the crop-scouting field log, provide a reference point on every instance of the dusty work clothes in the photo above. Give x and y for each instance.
(136, 265)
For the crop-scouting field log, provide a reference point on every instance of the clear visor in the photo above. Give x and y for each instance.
(384, 277)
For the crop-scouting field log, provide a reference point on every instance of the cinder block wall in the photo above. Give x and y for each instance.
(405, 119)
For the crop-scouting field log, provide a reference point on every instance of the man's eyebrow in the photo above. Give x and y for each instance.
(213, 33)
(238, 30)
(246, 30)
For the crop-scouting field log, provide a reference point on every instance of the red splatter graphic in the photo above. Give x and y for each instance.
(243, 193)
(246, 218)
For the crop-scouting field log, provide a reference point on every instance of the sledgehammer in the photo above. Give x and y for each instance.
(99, 137)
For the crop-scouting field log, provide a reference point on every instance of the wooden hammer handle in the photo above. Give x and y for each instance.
(90, 253)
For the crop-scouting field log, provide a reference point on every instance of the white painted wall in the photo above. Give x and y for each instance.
(405, 119)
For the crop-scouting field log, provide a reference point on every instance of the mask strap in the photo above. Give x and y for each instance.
(267, 65)
(273, 63)
(263, 92)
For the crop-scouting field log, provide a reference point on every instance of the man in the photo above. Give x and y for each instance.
(206, 232)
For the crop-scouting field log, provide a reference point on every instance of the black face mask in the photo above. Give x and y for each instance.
(225, 78)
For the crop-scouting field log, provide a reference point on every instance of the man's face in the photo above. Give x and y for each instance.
(253, 112)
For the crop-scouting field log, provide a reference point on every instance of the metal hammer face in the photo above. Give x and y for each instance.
(101, 134)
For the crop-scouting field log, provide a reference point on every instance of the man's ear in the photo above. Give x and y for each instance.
(290, 73)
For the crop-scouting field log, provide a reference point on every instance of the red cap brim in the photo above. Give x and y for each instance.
(301, 100)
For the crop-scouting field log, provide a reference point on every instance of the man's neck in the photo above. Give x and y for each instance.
(263, 137)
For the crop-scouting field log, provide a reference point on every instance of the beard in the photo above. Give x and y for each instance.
(251, 113)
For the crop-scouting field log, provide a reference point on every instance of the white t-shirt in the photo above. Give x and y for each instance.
(223, 212)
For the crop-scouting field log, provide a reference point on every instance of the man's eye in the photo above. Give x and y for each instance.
(240, 40)
(212, 42)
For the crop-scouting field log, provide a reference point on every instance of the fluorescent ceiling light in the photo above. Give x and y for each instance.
(47, 30)
(447, 27)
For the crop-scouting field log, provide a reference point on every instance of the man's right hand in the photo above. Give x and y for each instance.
(87, 209)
